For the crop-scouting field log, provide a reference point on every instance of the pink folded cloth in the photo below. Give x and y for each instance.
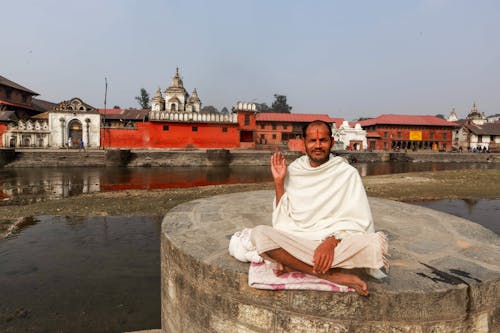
(261, 276)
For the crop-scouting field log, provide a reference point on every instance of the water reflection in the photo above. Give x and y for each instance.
(27, 185)
(81, 274)
(482, 211)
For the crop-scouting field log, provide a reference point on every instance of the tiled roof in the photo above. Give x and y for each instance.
(484, 129)
(6, 82)
(8, 116)
(22, 106)
(404, 119)
(297, 117)
(110, 111)
(128, 114)
(41, 105)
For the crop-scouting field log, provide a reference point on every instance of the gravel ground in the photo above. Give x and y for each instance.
(452, 184)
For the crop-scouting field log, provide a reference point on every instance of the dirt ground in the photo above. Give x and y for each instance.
(463, 184)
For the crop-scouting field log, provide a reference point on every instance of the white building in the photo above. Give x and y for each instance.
(476, 132)
(347, 137)
(72, 122)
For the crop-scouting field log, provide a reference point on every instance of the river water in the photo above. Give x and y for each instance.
(102, 274)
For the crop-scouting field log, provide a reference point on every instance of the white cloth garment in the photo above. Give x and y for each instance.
(321, 201)
(242, 248)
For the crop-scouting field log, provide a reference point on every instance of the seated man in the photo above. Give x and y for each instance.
(322, 223)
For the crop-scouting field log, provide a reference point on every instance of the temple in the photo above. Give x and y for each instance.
(176, 98)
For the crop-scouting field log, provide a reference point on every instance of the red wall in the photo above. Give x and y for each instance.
(178, 135)
(3, 129)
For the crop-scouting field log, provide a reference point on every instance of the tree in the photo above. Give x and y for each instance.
(280, 105)
(224, 110)
(116, 107)
(440, 116)
(143, 99)
(362, 118)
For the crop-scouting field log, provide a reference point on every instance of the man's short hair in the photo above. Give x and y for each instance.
(317, 122)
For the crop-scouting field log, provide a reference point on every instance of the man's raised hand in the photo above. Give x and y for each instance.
(278, 167)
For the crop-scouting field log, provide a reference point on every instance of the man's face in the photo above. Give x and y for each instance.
(318, 144)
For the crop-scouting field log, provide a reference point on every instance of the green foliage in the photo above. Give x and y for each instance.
(280, 105)
(143, 99)
(440, 116)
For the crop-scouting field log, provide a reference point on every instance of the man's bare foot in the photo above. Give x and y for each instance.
(281, 269)
(349, 280)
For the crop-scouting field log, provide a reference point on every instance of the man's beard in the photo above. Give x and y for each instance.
(319, 159)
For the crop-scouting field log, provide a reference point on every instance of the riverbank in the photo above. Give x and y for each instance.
(34, 158)
(451, 184)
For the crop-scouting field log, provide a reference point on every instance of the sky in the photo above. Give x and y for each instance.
(348, 59)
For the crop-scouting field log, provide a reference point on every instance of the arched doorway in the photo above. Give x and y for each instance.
(75, 132)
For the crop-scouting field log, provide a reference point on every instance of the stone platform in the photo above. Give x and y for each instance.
(445, 275)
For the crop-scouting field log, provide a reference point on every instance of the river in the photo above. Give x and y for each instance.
(102, 274)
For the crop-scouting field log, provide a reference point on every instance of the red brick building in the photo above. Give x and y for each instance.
(286, 128)
(392, 131)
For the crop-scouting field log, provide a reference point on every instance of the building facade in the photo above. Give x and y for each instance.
(476, 133)
(285, 129)
(410, 132)
(73, 122)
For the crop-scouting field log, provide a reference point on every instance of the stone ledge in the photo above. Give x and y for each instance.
(428, 290)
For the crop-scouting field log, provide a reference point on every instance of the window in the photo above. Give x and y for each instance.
(274, 136)
(385, 145)
(8, 93)
(247, 119)
(25, 98)
(224, 129)
(431, 135)
(195, 128)
(480, 138)
(445, 136)
(274, 126)
(262, 126)
(399, 135)
(165, 127)
(285, 126)
(385, 135)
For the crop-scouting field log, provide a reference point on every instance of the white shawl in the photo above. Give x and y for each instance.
(320, 201)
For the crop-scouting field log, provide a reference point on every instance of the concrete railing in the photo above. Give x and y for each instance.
(193, 117)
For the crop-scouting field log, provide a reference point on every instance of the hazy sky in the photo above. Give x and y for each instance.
(344, 58)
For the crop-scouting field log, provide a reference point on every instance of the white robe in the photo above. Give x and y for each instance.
(321, 201)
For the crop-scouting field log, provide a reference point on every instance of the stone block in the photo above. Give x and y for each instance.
(287, 322)
(256, 317)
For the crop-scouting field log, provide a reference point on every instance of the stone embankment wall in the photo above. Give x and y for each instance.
(445, 276)
(211, 157)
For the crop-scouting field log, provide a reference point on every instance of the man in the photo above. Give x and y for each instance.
(322, 223)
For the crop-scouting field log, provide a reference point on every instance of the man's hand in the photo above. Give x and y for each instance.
(278, 169)
(323, 255)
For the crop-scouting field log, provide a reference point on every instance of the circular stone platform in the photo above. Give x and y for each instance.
(445, 275)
